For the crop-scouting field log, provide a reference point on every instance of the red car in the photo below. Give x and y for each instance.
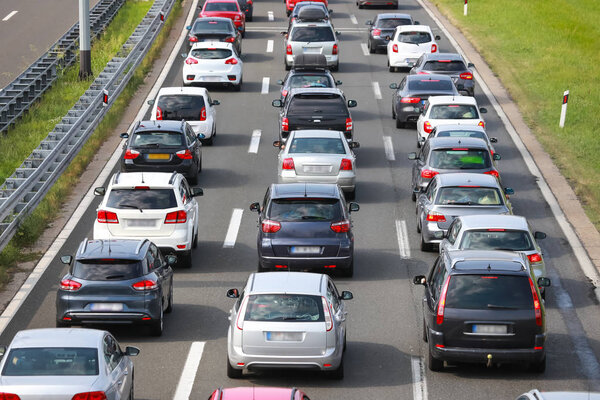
(262, 393)
(290, 4)
(226, 9)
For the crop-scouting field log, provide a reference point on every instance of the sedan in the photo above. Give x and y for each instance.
(226, 9)
(215, 28)
(384, 26)
(210, 63)
(408, 43)
(66, 364)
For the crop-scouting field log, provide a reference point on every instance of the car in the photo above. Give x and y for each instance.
(443, 110)
(311, 38)
(309, 70)
(411, 94)
(451, 64)
(226, 9)
(291, 4)
(305, 226)
(315, 108)
(192, 104)
(537, 395)
(116, 282)
(483, 307)
(449, 196)
(291, 320)
(63, 363)
(474, 131)
(384, 26)
(496, 232)
(247, 7)
(382, 3)
(446, 155)
(252, 393)
(159, 206)
(318, 156)
(408, 43)
(163, 146)
(213, 29)
(213, 63)
(312, 4)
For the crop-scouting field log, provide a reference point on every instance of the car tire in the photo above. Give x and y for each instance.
(157, 326)
(336, 67)
(338, 373)
(345, 342)
(371, 49)
(244, 33)
(349, 271)
(433, 363)
(233, 373)
(260, 268)
(169, 308)
(195, 240)
(538, 367)
(424, 245)
(131, 392)
(249, 18)
(418, 224)
(351, 194)
(418, 144)
(360, 6)
(184, 259)
(238, 87)
(413, 196)
(193, 179)
(288, 13)
(393, 112)
(287, 67)
(425, 339)
(399, 123)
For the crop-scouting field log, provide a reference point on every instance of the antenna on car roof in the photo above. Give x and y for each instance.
(305, 194)
(108, 246)
(143, 177)
(489, 267)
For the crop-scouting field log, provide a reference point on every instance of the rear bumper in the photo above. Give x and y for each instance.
(239, 360)
(167, 244)
(378, 3)
(332, 60)
(347, 183)
(403, 60)
(186, 168)
(227, 78)
(305, 263)
(76, 310)
(407, 113)
(432, 233)
(379, 43)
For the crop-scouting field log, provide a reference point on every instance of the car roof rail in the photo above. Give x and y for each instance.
(139, 246)
(83, 246)
(294, 390)
(172, 178)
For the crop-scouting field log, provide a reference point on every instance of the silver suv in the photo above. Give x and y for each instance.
(287, 320)
(311, 38)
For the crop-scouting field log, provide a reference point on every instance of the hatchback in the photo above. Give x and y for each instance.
(292, 320)
(384, 26)
(309, 71)
(213, 63)
(408, 43)
(215, 28)
(451, 64)
(226, 9)
(311, 38)
(537, 395)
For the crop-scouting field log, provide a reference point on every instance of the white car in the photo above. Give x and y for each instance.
(445, 110)
(192, 104)
(408, 44)
(213, 63)
(312, 38)
(159, 206)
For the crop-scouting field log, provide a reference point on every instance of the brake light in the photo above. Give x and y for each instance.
(88, 396)
(288, 163)
(288, 50)
(231, 61)
(534, 258)
(107, 217)
(442, 303)
(427, 127)
(9, 396)
(230, 39)
(284, 124)
(193, 39)
(435, 216)
(376, 32)
(411, 100)
(141, 188)
(340, 227)
(203, 114)
(428, 174)
(327, 312)
(131, 154)
(466, 75)
(493, 172)
(348, 124)
(70, 286)
(395, 48)
(284, 92)
(433, 48)
(269, 226)
(422, 73)
(537, 307)
(335, 49)
(481, 124)
(159, 113)
(191, 60)
(176, 217)
(346, 164)
(146, 284)
(184, 154)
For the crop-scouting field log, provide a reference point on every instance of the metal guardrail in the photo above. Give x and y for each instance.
(24, 189)
(21, 93)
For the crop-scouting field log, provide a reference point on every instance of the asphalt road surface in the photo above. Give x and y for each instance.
(385, 350)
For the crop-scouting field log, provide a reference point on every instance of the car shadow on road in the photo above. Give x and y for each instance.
(354, 67)
(211, 253)
(255, 58)
(212, 178)
(370, 157)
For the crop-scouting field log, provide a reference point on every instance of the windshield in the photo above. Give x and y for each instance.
(478, 196)
(444, 66)
(430, 84)
(454, 111)
(460, 159)
(304, 81)
(305, 209)
(414, 37)
(480, 292)
(497, 239)
(157, 139)
(221, 6)
(317, 145)
(474, 134)
(107, 269)
(312, 34)
(212, 26)
(178, 107)
(145, 199)
(51, 361)
(392, 23)
(211, 54)
(318, 104)
(284, 307)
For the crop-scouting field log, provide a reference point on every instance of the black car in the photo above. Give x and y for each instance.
(116, 281)
(451, 64)
(315, 108)
(311, 4)
(384, 26)
(163, 146)
(412, 93)
(305, 226)
(247, 7)
(309, 70)
(215, 28)
(483, 307)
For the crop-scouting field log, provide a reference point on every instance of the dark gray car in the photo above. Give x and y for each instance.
(384, 26)
(451, 64)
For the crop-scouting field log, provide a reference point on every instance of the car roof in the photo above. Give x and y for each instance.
(457, 127)
(440, 142)
(199, 91)
(564, 395)
(212, 44)
(310, 3)
(485, 260)
(443, 56)
(127, 249)
(151, 179)
(516, 222)
(221, 1)
(208, 19)
(286, 282)
(315, 91)
(284, 190)
(58, 337)
(257, 392)
(429, 77)
(298, 24)
(452, 100)
(317, 133)
(413, 28)
(166, 125)
(467, 178)
(394, 15)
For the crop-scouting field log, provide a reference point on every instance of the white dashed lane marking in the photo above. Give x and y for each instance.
(418, 378)
(376, 90)
(389, 148)
(353, 19)
(188, 375)
(254, 141)
(365, 49)
(270, 16)
(403, 245)
(10, 15)
(234, 227)
(265, 85)
(269, 46)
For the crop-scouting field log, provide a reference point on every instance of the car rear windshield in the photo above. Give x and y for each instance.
(51, 361)
(317, 145)
(430, 84)
(454, 111)
(307, 81)
(458, 133)
(467, 196)
(107, 269)
(318, 104)
(312, 34)
(157, 139)
(414, 37)
(211, 53)
(497, 239)
(145, 199)
(460, 159)
(480, 292)
(391, 23)
(284, 307)
(444, 66)
(221, 6)
(305, 209)
(178, 107)
(212, 26)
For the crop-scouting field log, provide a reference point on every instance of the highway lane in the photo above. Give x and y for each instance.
(384, 324)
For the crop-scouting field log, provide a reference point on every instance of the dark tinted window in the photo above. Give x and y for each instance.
(457, 133)
(430, 84)
(107, 269)
(178, 107)
(460, 159)
(414, 37)
(312, 34)
(496, 239)
(304, 81)
(321, 104)
(157, 139)
(317, 145)
(305, 209)
(480, 292)
(212, 26)
(146, 199)
(444, 65)
(221, 6)
(52, 361)
(211, 54)
(284, 307)
(454, 111)
(392, 23)
(479, 196)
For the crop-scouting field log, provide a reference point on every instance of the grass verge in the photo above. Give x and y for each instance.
(50, 207)
(540, 49)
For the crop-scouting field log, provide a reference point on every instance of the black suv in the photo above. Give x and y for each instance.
(305, 226)
(483, 307)
(315, 108)
(163, 146)
(451, 64)
(309, 71)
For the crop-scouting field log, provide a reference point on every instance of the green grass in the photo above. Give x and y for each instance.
(48, 110)
(539, 49)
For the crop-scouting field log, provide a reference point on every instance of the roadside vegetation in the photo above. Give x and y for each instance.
(42, 118)
(539, 49)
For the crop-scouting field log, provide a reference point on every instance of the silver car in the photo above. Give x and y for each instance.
(318, 156)
(450, 195)
(69, 364)
(537, 395)
(287, 320)
(311, 38)
(458, 131)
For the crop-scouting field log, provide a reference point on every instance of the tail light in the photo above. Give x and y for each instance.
(146, 284)
(88, 396)
(340, 227)
(131, 154)
(230, 39)
(435, 216)
(203, 114)
(193, 39)
(348, 124)
(284, 93)
(466, 75)
(395, 48)
(537, 307)
(159, 113)
(327, 312)
(442, 303)
(376, 32)
(411, 100)
(534, 258)
(231, 61)
(249, 2)
(346, 164)
(184, 154)
(428, 174)
(427, 127)
(107, 217)
(285, 124)
(481, 124)
(288, 50)
(335, 49)
(191, 60)
(9, 396)
(288, 163)
(493, 172)
(70, 286)
(422, 73)
(433, 48)
(176, 217)
(269, 226)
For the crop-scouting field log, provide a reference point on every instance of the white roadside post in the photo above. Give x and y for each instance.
(563, 111)
(466, 7)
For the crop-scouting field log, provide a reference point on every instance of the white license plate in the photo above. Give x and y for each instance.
(305, 250)
(106, 307)
(317, 168)
(146, 223)
(284, 336)
(490, 329)
(211, 79)
(312, 50)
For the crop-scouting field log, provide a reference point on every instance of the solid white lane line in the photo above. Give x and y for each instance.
(9, 16)
(402, 234)
(270, 16)
(188, 375)
(418, 378)
(269, 46)
(234, 227)
(254, 141)
(353, 19)
(265, 85)
(376, 90)
(389, 148)
(365, 49)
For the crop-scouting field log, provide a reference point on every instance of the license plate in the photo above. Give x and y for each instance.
(305, 249)
(411, 60)
(490, 329)
(106, 307)
(316, 168)
(284, 336)
(158, 156)
(312, 50)
(211, 79)
(141, 222)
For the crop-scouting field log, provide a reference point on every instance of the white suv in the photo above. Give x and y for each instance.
(159, 206)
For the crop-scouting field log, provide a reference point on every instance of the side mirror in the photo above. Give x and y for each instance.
(419, 280)
(66, 259)
(189, 27)
(197, 192)
(353, 207)
(416, 23)
(369, 22)
(509, 191)
(412, 156)
(497, 156)
(277, 144)
(493, 140)
(131, 351)
(544, 282)
(338, 33)
(255, 207)
(470, 65)
(483, 110)
(539, 235)
(200, 136)
(2, 351)
(346, 295)
(388, 37)
(352, 103)
(171, 259)
(283, 33)
(277, 103)
(437, 37)
(233, 293)
(215, 103)
(330, 11)
(124, 135)
(100, 191)
(354, 145)
(338, 83)
(394, 86)
(183, 55)
(150, 102)
(280, 82)
(417, 190)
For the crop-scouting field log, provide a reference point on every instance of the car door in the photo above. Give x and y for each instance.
(418, 165)
(433, 289)
(193, 144)
(451, 243)
(425, 200)
(190, 205)
(339, 311)
(119, 374)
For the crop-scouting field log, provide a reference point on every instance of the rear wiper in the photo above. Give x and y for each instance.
(113, 277)
(502, 307)
(130, 206)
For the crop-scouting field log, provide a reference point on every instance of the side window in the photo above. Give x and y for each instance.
(191, 135)
(238, 303)
(333, 296)
(431, 190)
(424, 152)
(208, 99)
(402, 84)
(158, 260)
(266, 200)
(453, 232)
(435, 277)
(184, 191)
(112, 352)
(439, 278)
(150, 260)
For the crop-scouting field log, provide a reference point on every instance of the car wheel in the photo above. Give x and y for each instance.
(399, 123)
(413, 196)
(370, 46)
(339, 372)
(351, 194)
(418, 224)
(193, 179)
(184, 259)
(539, 367)
(156, 327)
(424, 245)
(349, 271)
(244, 33)
(418, 144)
(209, 141)
(345, 342)
(131, 394)
(433, 363)
(249, 18)
(62, 324)
(360, 6)
(261, 268)
(336, 67)
(287, 67)
(169, 308)
(233, 373)
(238, 87)
(393, 111)
(195, 240)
